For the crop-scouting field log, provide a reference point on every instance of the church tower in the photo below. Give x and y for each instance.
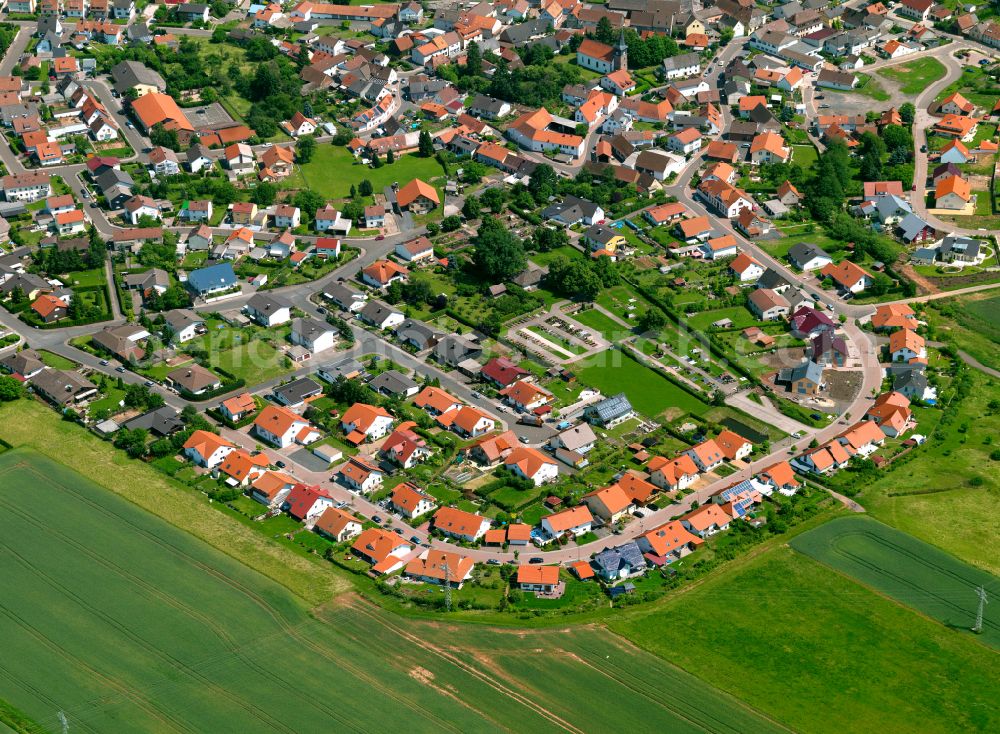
(620, 60)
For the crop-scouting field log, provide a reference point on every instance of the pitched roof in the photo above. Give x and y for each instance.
(414, 189)
(528, 460)
(458, 522)
(570, 518)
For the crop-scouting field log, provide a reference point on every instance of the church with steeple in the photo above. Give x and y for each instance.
(620, 58)
(601, 57)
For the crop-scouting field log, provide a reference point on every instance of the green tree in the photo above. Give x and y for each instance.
(265, 194)
(908, 112)
(390, 157)
(365, 187)
(604, 32)
(425, 145)
(471, 209)
(542, 183)
(473, 60)
(10, 389)
(498, 254)
(305, 148)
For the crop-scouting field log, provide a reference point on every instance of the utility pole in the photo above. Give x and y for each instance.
(983, 601)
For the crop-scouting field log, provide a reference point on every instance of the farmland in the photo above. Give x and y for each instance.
(906, 569)
(127, 623)
(947, 494)
(820, 652)
(649, 393)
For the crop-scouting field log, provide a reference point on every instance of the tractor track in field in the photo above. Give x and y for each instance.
(262, 603)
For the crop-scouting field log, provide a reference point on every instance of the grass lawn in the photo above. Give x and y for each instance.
(802, 633)
(804, 156)
(915, 76)
(56, 361)
(906, 569)
(612, 372)
(602, 324)
(110, 401)
(256, 361)
(869, 87)
(934, 495)
(333, 170)
(740, 317)
(94, 276)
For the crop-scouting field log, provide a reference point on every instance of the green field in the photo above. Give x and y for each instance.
(602, 324)
(948, 494)
(915, 76)
(333, 170)
(612, 372)
(822, 653)
(126, 623)
(900, 566)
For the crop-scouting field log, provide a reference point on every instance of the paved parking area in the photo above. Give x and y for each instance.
(209, 115)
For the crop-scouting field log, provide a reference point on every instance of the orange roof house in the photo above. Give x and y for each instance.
(534, 576)
(460, 524)
(383, 272)
(706, 520)
(669, 539)
(438, 566)
(532, 464)
(243, 467)
(384, 550)
(49, 307)
(847, 275)
(894, 316)
(781, 476)
(636, 488)
(418, 195)
(609, 503)
(672, 474)
(337, 524)
(436, 400)
(156, 108)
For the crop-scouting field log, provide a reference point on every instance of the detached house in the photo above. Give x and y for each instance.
(360, 475)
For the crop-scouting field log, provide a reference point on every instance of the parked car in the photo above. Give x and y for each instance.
(377, 519)
(280, 464)
(493, 562)
(149, 383)
(537, 559)
(414, 539)
(104, 363)
(120, 369)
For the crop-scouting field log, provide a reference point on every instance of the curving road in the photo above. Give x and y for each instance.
(368, 342)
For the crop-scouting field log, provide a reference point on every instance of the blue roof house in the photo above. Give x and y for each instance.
(213, 279)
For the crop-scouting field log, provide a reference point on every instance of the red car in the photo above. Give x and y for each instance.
(380, 237)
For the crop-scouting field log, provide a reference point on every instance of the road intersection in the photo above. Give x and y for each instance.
(369, 342)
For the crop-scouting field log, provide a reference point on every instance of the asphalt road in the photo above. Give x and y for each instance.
(368, 342)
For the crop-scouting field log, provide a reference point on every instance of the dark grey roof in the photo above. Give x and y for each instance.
(297, 390)
(128, 74)
(163, 421)
(913, 381)
(376, 312)
(773, 279)
(611, 561)
(571, 209)
(804, 252)
(392, 382)
(954, 244)
(418, 333)
(26, 362)
(344, 367)
(453, 349)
